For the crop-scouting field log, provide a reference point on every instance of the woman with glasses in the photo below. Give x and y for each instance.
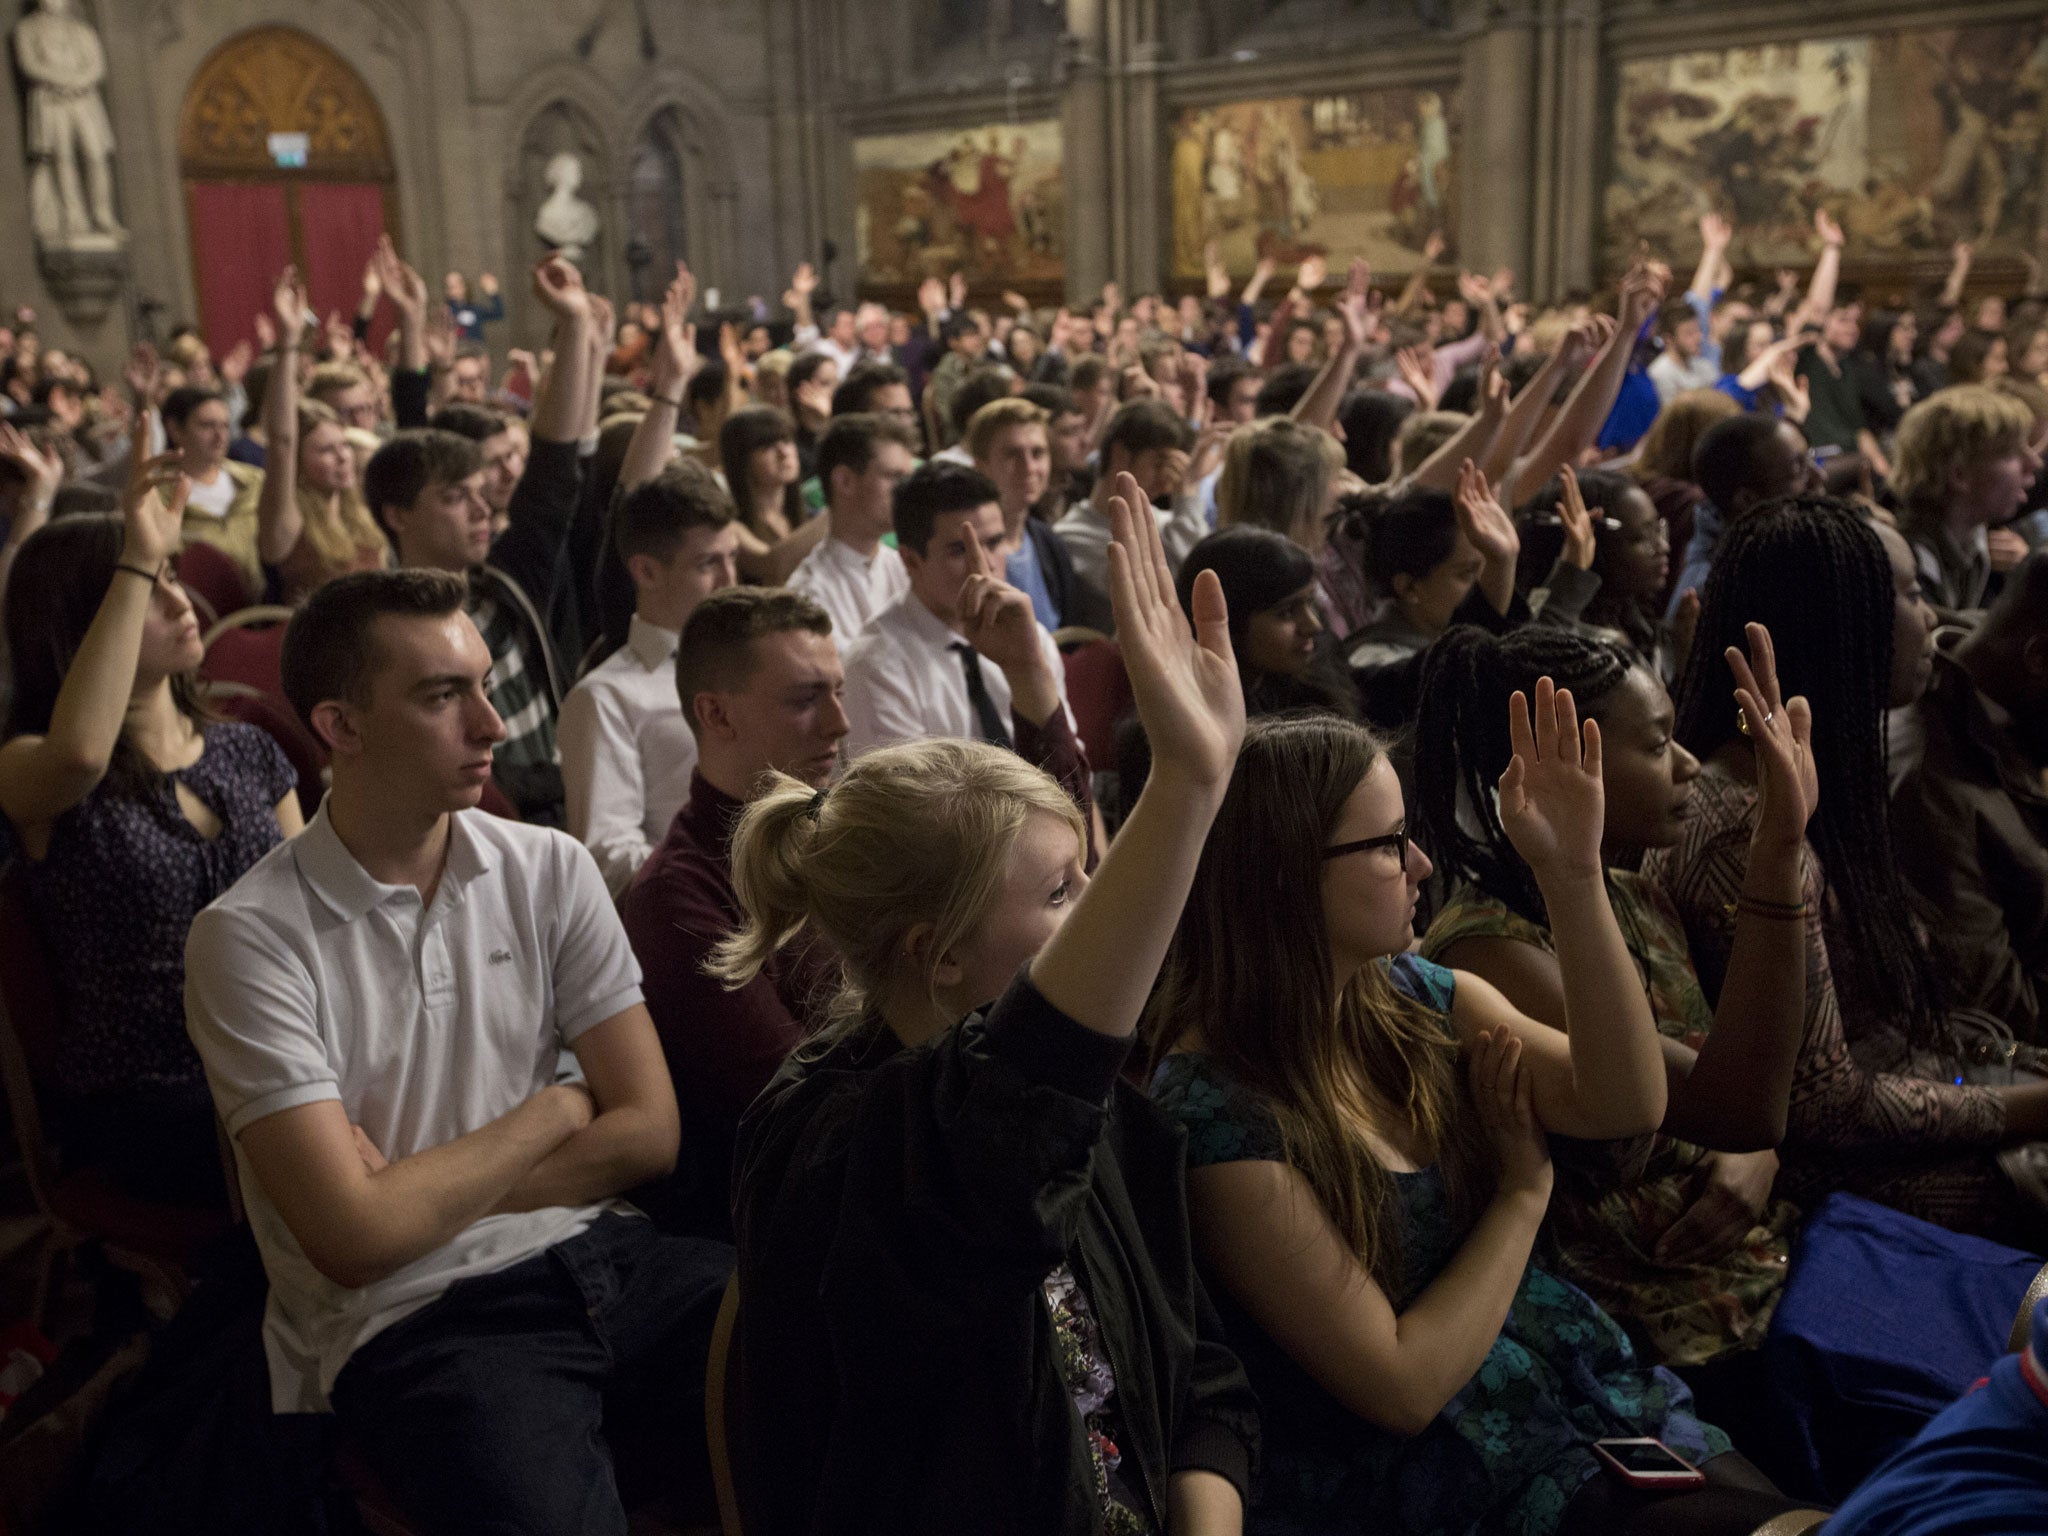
(129, 809)
(1685, 1248)
(1381, 1122)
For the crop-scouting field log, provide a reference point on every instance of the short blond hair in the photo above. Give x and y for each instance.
(1276, 474)
(1668, 445)
(1951, 430)
(918, 833)
(332, 379)
(1000, 416)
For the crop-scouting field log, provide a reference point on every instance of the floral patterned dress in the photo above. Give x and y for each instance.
(1513, 1446)
(1602, 1231)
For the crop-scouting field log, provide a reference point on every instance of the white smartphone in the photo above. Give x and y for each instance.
(1648, 1463)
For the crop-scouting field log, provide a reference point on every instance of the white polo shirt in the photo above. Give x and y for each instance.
(310, 980)
(904, 680)
(627, 753)
(850, 589)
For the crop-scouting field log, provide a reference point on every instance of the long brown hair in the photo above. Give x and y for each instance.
(1250, 967)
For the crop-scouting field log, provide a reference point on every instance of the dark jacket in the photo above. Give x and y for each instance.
(1970, 823)
(898, 1212)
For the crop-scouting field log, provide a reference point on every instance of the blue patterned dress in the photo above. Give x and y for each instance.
(1510, 1450)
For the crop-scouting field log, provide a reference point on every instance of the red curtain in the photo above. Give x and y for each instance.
(241, 240)
(339, 223)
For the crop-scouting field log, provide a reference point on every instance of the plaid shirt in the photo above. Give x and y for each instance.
(518, 686)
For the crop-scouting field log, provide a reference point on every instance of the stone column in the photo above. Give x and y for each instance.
(1086, 150)
(1497, 188)
(1136, 176)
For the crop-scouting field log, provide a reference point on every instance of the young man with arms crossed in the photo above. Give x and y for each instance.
(385, 1007)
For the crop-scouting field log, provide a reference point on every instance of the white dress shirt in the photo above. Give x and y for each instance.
(849, 588)
(627, 753)
(904, 680)
(1085, 532)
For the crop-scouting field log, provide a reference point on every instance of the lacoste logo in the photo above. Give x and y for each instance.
(501, 957)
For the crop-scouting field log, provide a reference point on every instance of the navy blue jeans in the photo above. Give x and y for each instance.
(526, 1400)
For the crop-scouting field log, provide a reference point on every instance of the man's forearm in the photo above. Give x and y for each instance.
(619, 1149)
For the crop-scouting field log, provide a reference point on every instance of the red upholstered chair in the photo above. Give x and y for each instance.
(246, 647)
(1099, 693)
(157, 1242)
(214, 580)
(497, 802)
(238, 701)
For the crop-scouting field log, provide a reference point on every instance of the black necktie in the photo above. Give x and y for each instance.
(985, 709)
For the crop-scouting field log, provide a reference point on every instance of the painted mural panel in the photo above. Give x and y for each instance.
(985, 201)
(1914, 139)
(1371, 173)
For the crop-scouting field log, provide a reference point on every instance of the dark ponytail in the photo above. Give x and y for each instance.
(1462, 745)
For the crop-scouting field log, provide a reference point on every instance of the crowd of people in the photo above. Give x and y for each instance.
(1249, 911)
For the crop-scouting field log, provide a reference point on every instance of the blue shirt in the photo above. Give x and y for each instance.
(1699, 554)
(1981, 1464)
(1022, 572)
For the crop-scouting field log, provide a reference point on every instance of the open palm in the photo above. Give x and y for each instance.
(1551, 801)
(1184, 678)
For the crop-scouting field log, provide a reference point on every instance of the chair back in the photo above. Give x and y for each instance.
(247, 647)
(721, 1407)
(210, 574)
(239, 701)
(1099, 693)
(28, 1032)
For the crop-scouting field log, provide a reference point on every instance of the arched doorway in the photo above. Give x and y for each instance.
(285, 158)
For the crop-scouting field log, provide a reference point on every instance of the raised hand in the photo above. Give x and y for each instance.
(144, 373)
(1641, 292)
(40, 467)
(559, 286)
(404, 287)
(1314, 269)
(1183, 677)
(1215, 274)
(1474, 289)
(1432, 247)
(373, 282)
(676, 360)
(487, 284)
(1794, 392)
(1781, 733)
(1355, 307)
(802, 284)
(997, 619)
(604, 323)
(1016, 301)
(288, 301)
(441, 338)
(1493, 385)
(235, 366)
(266, 332)
(151, 525)
(956, 290)
(1484, 522)
(1825, 226)
(1552, 805)
(1504, 1093)
(1417, 368)
(1715, 232)
(1580, 542)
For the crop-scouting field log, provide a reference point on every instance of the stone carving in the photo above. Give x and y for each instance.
(566, 222)
(70, 140)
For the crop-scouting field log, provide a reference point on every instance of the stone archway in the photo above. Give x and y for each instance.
(285, 157)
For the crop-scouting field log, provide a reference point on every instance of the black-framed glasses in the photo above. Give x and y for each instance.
(1397, 840)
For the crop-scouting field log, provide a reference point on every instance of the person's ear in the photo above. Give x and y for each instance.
(334, 723)
(713, 718)
(944, 971)
(645, 570)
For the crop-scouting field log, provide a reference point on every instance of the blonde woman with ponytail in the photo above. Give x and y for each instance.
(966, 1296)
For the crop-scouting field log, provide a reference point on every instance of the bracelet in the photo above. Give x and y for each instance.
(136, 570)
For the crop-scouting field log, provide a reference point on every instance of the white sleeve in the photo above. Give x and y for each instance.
(1182, 529)
(602, 782)
(595, 974)
(881, 707)
(1087, 541)
(1051, 647)
(253, 1012)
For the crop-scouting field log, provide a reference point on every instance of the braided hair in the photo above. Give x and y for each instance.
(1813, 571)
(1462, 745)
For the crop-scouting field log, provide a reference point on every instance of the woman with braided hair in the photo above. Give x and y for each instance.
(1876, 1108)
(1687, 1250)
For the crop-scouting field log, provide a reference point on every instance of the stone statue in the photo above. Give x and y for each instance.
(565, 221)
(68, 131)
